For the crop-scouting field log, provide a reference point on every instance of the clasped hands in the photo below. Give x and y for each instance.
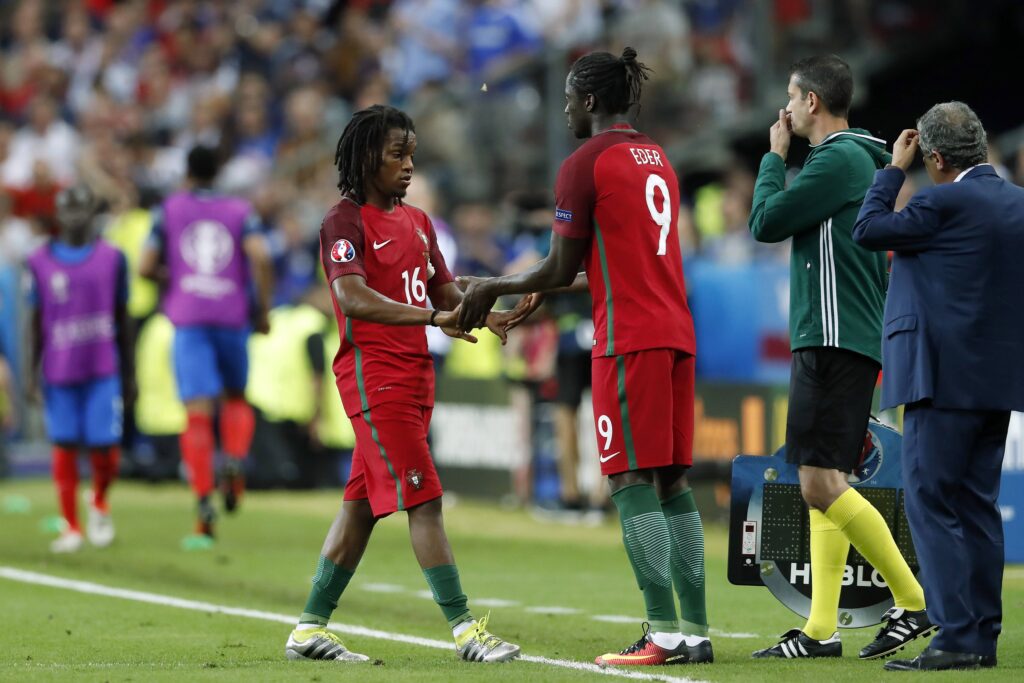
(475, 311)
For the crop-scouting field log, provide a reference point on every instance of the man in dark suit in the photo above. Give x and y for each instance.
(951, 353)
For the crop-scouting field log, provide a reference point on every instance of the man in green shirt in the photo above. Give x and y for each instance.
(837, 294)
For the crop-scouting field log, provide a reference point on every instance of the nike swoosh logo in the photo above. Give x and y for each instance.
(377, 245)
(606, 458)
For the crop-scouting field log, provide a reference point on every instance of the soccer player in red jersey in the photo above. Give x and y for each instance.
(382, 262)
(617, 201)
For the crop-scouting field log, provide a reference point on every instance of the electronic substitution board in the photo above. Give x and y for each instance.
(769, 539)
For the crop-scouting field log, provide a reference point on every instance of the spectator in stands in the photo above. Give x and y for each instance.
(77, 54)
(17, 239)
(295, 251)
(44, 137)
(480, 250)
(425, 44)
(299, 58)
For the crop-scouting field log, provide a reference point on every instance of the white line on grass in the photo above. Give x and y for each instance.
(494, 602)
(558, 610)
(169, 601)
(382, 588)
(724, 634)
(615, 619)
(1017, 573)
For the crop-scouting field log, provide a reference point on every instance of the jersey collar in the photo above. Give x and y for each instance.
(621, 128)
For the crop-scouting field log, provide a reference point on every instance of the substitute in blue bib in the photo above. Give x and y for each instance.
(79, 296)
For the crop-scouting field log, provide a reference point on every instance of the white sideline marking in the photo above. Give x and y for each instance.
(615, 619)
(494, 602)
(724, 634)
(558, 610)
(1017, 573)
(382, 587)
(168, 601)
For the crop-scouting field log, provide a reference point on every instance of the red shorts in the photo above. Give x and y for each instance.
(643, 410)
(391, 464)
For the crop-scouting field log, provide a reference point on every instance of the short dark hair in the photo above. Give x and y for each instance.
(203, 163)
(955, 131)
(359, 152)
(828, 77)
(614, 81)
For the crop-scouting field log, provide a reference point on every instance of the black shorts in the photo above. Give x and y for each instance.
(573, 373)
(830, 393)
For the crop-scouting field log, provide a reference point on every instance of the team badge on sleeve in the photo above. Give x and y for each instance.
(563, 215)
(343, 251)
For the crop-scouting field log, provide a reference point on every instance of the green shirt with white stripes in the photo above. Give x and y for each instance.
(837, 289)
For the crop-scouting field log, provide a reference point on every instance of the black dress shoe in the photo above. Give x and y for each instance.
(987, 661)
(935, 660)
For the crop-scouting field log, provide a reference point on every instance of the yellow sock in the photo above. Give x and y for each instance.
(870, 535)
(829, 549)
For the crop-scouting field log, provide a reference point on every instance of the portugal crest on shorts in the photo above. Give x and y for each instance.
(343, 251)
(414, 478)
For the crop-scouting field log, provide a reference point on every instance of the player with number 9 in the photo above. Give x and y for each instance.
(617, 203)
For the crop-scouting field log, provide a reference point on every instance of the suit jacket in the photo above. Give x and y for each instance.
(954, 313)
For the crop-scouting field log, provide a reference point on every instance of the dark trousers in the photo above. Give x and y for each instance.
(952, 461)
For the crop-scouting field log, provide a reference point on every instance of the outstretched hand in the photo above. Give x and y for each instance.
(904, 149)
(524, 309)
(500, 322)
(448, 322)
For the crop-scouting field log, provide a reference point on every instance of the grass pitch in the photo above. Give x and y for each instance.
(545, 584)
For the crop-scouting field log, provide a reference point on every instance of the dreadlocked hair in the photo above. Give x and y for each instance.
(614, 81)
(359, 152)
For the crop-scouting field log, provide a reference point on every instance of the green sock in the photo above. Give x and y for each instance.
(328, 584)
(645, 535)
(687, 536)
(447, 589)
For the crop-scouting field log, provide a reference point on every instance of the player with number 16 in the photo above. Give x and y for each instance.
(382, 264)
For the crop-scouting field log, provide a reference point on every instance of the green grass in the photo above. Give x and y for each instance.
(265, 558)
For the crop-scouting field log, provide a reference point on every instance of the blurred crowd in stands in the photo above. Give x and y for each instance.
(113, 94)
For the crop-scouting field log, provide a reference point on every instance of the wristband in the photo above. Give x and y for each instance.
(432, 316)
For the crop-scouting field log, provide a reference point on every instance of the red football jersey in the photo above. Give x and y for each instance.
(397, 254)
(619, 191)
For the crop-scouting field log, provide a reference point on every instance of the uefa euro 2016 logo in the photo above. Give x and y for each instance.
(871, 456)
(207, 246)
(343, 251)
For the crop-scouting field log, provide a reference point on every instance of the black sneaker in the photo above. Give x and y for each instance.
(902, 627)
(645, 652)
(701, 653)
(796, 644)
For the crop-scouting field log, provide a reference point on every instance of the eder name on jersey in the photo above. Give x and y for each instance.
(619, 191)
